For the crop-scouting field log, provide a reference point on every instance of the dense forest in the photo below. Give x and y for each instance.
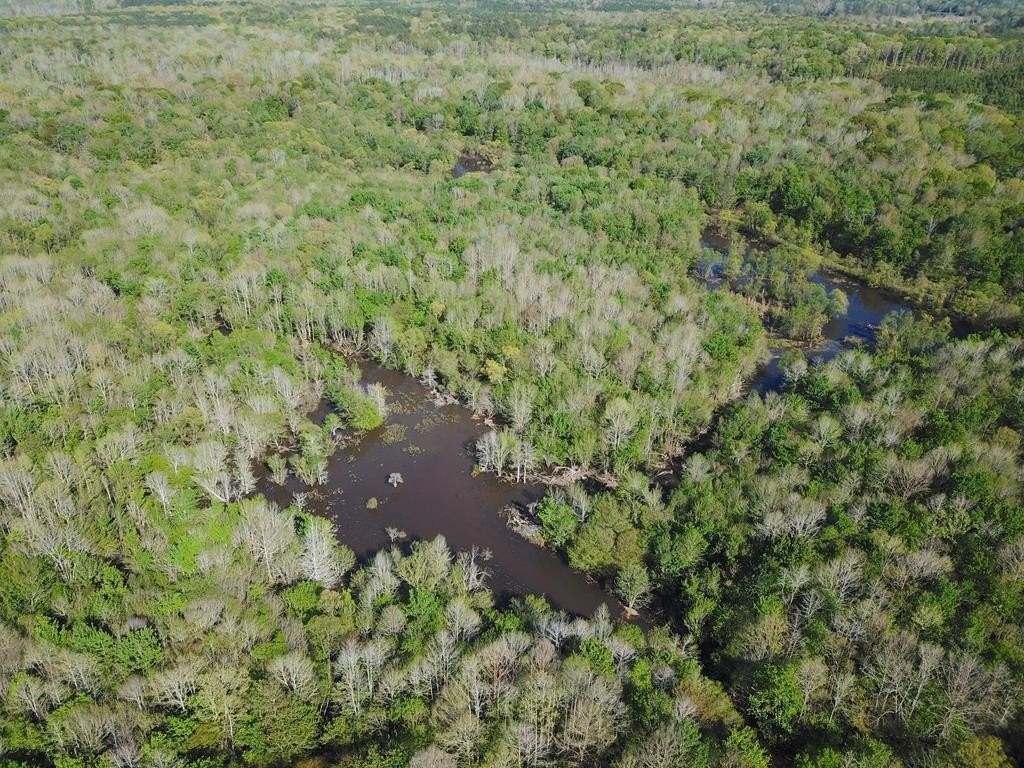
(618, 234)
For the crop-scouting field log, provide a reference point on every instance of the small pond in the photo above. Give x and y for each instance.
(471, 162)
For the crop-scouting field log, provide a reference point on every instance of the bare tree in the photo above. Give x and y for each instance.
(463, 622)
(432, 757)
(212, 472)
(519, 405)
(1011, 557)
(579, 501)
(294, 671)
(533, 735)
(841, 577)
(17, 482)
(910, 478)
(633, 585)
(382, 339)
(619, 421)
(976, 696)
(474, 575)
(83, 730)
(463, 736)
(321, 558)
(159, 485)
(221, 698)
(592, 720)
(665, 747)
(494, 451)
(174, 686)
(524, 459)
(353, 684)
(377, 393)
(267, 533)
(392, 620)
(36, 697)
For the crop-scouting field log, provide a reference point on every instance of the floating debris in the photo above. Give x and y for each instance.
(522, 525)
(443, 398)
(372, 503)
(392, 434)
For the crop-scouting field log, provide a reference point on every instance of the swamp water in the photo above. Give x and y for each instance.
(471, 162)
(432, 447)
(868, 307)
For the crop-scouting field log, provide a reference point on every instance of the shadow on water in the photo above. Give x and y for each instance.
(431, 446)
(858, 327)
(868, 307)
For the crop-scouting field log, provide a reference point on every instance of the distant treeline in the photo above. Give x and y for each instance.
(1001, 86)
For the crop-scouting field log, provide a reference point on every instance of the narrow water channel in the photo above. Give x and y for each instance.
(431, 446)
(868, 307)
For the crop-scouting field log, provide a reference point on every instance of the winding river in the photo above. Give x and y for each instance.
(431, 446)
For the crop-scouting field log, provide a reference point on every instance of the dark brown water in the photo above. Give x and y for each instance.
(432, 447)
(471, 162)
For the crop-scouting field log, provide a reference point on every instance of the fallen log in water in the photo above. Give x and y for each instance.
(520, 522)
